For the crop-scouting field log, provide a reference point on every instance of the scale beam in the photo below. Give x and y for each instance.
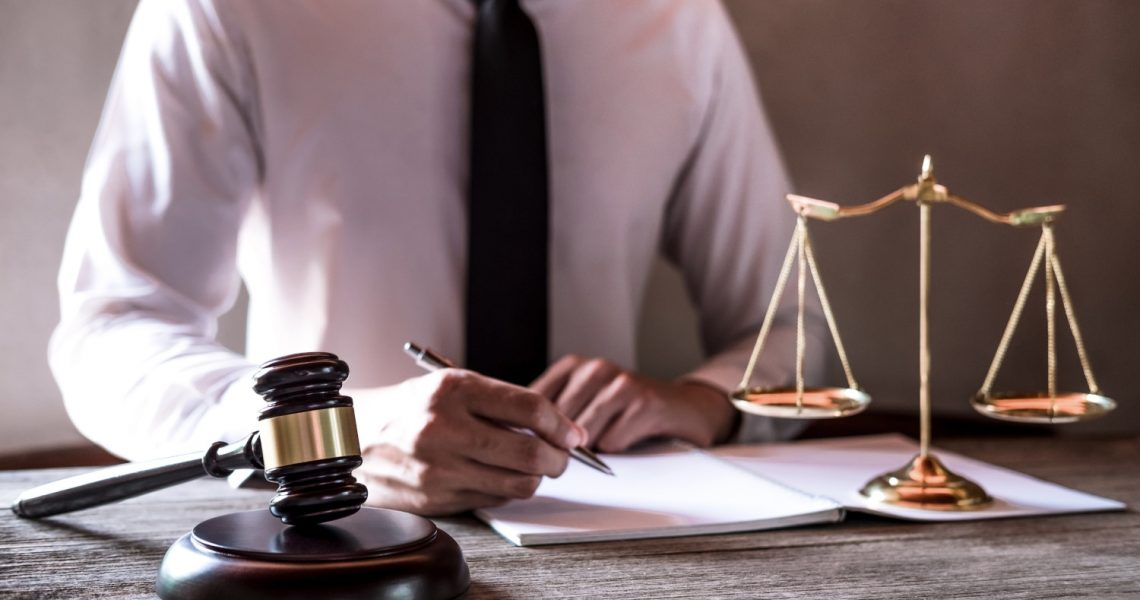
(925, 191)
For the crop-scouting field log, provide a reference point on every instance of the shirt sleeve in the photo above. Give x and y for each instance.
(150, 258)
(727, 229)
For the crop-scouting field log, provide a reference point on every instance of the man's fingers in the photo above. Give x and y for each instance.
(505, 483)
(586, 382)
(606, 406)
(519, 407)
(390, 494)
(553, 380)
(442, 485)
(625, 430)
(513, 450)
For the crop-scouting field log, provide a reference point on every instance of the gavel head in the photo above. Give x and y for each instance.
(308, 436)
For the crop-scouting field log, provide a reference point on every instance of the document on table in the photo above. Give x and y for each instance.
(837, 468)
(665, 491)
(676, 490)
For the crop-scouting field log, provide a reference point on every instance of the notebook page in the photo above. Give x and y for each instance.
(837, 468)
(658, 492)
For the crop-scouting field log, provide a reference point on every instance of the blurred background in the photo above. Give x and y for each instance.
(1020, 102)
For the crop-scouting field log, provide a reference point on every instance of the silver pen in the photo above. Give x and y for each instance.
(431, 361)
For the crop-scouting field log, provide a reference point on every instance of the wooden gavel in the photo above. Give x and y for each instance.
(306, 442)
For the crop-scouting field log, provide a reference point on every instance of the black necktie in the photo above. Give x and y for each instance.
(507, 287)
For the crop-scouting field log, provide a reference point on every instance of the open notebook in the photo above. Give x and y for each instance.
(675, 490)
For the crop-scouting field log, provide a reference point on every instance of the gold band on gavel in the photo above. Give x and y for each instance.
(308, 436)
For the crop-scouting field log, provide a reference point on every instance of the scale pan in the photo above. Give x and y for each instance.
(1067, 407)
(818, 402)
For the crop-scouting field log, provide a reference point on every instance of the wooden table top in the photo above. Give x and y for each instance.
(114, 551)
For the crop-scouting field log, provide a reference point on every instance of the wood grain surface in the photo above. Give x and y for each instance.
(114, 551)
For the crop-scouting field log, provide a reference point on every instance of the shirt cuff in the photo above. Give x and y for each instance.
(237, 410)
(725, 371)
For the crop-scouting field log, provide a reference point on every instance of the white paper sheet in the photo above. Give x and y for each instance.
(660, 492)
(676, 490)
(837, 468)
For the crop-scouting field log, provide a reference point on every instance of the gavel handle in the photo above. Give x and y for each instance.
(133, 479)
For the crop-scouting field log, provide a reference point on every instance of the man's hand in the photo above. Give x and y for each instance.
(445, 447)
(619, 408)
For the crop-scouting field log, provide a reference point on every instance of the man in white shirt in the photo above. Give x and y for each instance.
(319, 153)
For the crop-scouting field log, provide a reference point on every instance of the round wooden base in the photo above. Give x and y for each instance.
(375, 553)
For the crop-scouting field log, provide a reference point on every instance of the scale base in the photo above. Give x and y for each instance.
(375, 553)
(926, 484)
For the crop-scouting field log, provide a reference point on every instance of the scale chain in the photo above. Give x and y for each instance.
(1067, 303)
(781, 281)
(828, 314)
(1014, 318)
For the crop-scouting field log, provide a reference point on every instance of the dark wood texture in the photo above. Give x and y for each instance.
(115, 550)
(374, 553)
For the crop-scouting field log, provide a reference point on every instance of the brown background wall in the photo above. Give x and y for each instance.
(1021, 102)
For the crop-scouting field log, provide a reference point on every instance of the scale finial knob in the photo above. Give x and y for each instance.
(927, 169)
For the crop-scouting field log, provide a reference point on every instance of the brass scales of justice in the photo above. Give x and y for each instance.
(924, 482)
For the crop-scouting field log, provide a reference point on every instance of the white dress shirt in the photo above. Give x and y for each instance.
(318, 151)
